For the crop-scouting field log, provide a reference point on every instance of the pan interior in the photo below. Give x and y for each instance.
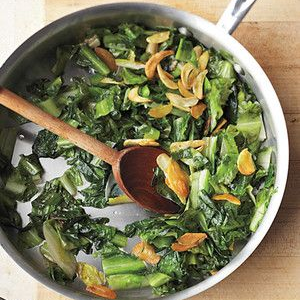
(34, 60)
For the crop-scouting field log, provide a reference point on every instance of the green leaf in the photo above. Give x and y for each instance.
(158, 279)
(184, 50)
(127, 281)
(54, 86)
(122, 264)
(211, 149)
(89, 274)
(95, 61)
(130, 77)
(104, 107)
(199, 182)
(51, 107)
(172, 264)
(180, 128)
(227, 169)
(262, 202)
(264, 158)
(219, 67)
(63, 258)
(29, 237)
(191, 157)
(63, 54)
(249, 120)
(45, 144)
(217, 98)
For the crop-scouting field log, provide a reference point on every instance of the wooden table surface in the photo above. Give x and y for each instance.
(271, 32)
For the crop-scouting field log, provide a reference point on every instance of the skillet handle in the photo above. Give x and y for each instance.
(234, 14)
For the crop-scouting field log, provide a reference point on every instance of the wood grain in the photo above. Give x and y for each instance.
(262, 11)
(271, 32)
(275, 45)
(256, 280)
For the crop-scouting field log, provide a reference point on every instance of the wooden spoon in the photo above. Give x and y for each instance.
(132, 167)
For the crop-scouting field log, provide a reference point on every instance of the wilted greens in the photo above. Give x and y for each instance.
(217, 169)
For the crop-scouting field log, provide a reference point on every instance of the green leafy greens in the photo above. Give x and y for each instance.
(99, 104)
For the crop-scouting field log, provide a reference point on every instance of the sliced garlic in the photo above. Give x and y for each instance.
(177, 146)
(245, 163)
(198, 51)
(188, 241)
(192, 77)
(158, 37)
(228, 197)
(203, 60)
(160, 111)
(165, 78)
(183, 91)
(107, 80)
(176, 179)
(152, 48)
(197, 110)
(198, 84)
(140, 142)
(180, 101)
(146, 252)
(134, 96)
(154, 60)
(191, 238)
(185, 73)
(163, 161)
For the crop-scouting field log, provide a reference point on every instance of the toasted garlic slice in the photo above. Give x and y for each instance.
(180, 101)
(213, 272)
(160, 111)
(198, 50)
(126, 63)
(134, 96)
(152, 48)
(197, 110)
(165, 78)
(228, 197)
(192, 77)
(203, 60)
(163, 161)
(219, 126)
(188, 241)
(191, 238)
(198, 84)
(158, 37)
(185, 73)
(245, 163)
(176, 179)
(183, 91)
(176, 146)
(107, 58)
(107, 80)
(154, 60)
(93, 41)
(146, 252)
(140, 142)
(207, 126)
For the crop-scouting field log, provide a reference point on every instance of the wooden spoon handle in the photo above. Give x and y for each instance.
(55, 125)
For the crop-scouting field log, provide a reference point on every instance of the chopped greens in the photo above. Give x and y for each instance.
(216, 167)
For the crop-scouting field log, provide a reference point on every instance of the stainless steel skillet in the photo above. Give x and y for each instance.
(34, 59)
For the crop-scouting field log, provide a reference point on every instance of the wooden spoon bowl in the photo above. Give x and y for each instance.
(134, 173)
